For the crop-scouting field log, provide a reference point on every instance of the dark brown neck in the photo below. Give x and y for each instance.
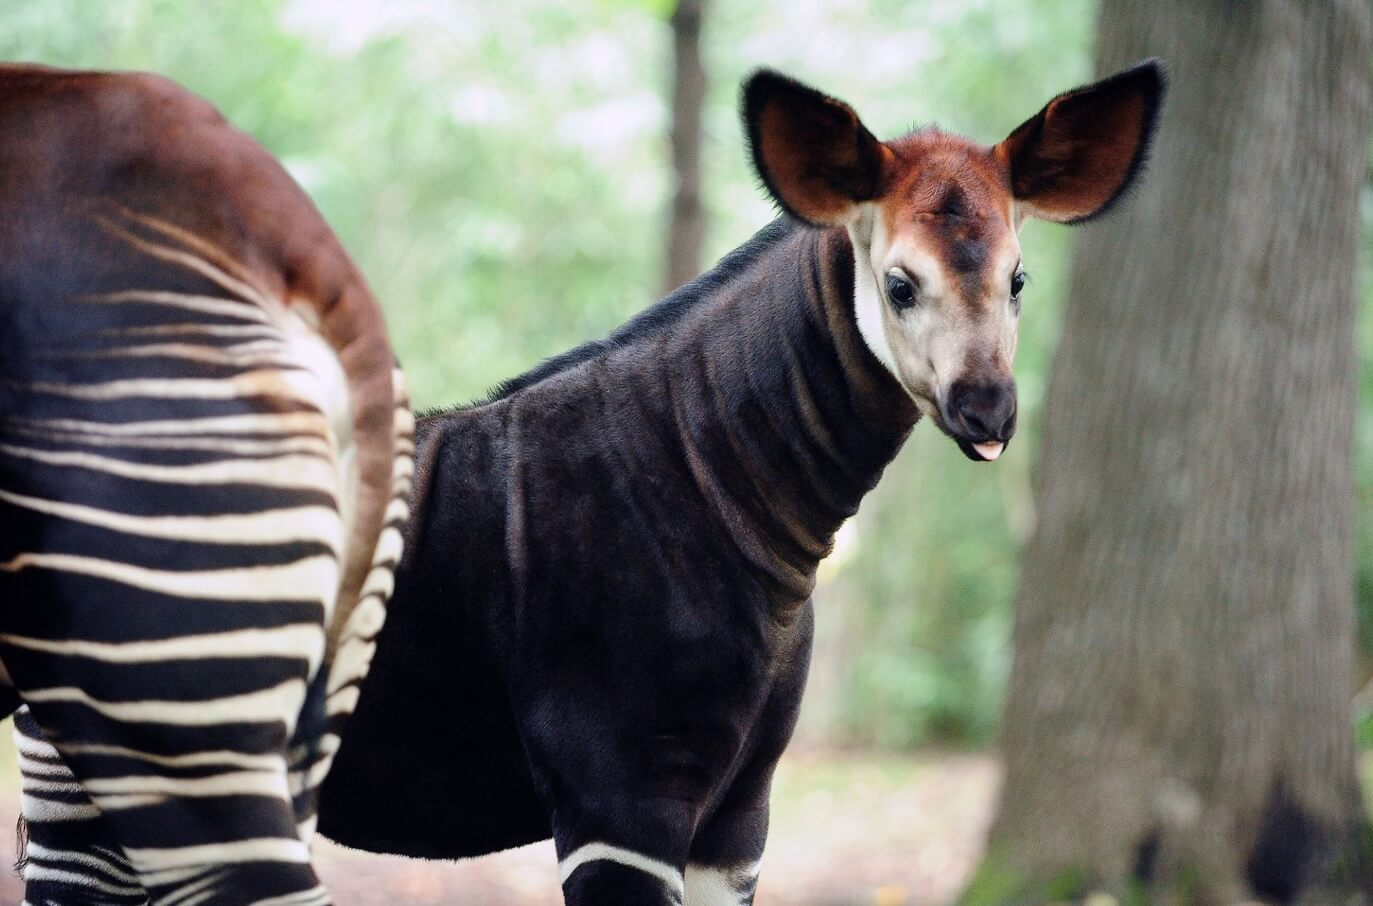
(786, 417)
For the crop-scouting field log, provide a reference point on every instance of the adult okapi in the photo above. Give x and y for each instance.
(602, 625)
(204, 463)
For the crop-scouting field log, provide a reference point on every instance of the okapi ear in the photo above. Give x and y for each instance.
(816, 158)
(1072, 160)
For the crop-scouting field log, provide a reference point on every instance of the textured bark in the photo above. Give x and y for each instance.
(1180, 701)
(687, 229)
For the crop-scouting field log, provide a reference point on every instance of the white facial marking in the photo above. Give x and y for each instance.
(927, 345)
(593, 852)
(868, 301)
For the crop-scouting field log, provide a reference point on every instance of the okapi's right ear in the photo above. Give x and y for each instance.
(816, 158)
(1079, 154)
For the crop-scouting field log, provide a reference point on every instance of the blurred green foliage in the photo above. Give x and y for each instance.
(499, 172)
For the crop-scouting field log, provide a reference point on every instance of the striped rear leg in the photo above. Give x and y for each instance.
(171, 690)
(68, 854)
(335, 690)
(167, 580)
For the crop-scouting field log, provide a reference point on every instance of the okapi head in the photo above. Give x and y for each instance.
(934, 217)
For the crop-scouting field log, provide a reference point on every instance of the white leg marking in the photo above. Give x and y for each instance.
(593, 852)
(709, 886)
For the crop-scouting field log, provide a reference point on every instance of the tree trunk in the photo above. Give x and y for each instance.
(687, 230)
(1179, 712)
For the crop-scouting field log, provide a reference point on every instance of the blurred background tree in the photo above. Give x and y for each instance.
(686, 233)
(503, 174)
(1179, 711)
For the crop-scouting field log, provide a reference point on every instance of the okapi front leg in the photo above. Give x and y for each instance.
(622, 853)
(622, 812)
(727, 851)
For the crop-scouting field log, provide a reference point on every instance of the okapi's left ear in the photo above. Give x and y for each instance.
(814, 155)
(1079, 154)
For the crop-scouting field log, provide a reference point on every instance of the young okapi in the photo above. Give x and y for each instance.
(602, 624)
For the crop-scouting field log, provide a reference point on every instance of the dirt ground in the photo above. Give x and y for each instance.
(847, 830)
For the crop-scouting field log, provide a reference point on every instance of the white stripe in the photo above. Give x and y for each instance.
(317, 524)
(318, 771)
(266, 382)
(123, 801)
(405, 419)
(280, 423)
(389, 546)
(190, 261)
(710, 886)
(604, 852)
(40, 769)
(103, 860)
(180, 875)
(302, 640)
(381, 581)
(33, 782)
(266, 352)
(262, 331)
(269, 784)
(352, 662)
(368, 617)
(212, 253)
(342, 701)
(397, 511)
(152, 864)
(189, 760)
(206, 305)
(312, 578)
(290, 471)
(33, 746)
(202, 897)
(36, 808)
(280, 702)
(304, 444)
(36, 872)
(194, 892)
(316, 896)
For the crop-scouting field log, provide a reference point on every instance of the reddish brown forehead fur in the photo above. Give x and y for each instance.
(954, 198)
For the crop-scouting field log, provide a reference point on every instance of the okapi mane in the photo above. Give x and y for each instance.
(661, 314)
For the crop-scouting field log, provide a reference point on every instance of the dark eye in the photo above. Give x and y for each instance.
(900, 290)
(1017, 283)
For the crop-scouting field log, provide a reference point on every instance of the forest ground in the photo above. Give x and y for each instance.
(848, 829)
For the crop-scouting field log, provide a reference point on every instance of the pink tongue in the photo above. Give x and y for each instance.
(991, 450)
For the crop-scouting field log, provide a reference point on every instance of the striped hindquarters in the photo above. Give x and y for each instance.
(178, 489)
(337, 688)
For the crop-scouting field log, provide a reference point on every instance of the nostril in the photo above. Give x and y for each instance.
(986, 411)
(973, 422)
(1007, 426)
